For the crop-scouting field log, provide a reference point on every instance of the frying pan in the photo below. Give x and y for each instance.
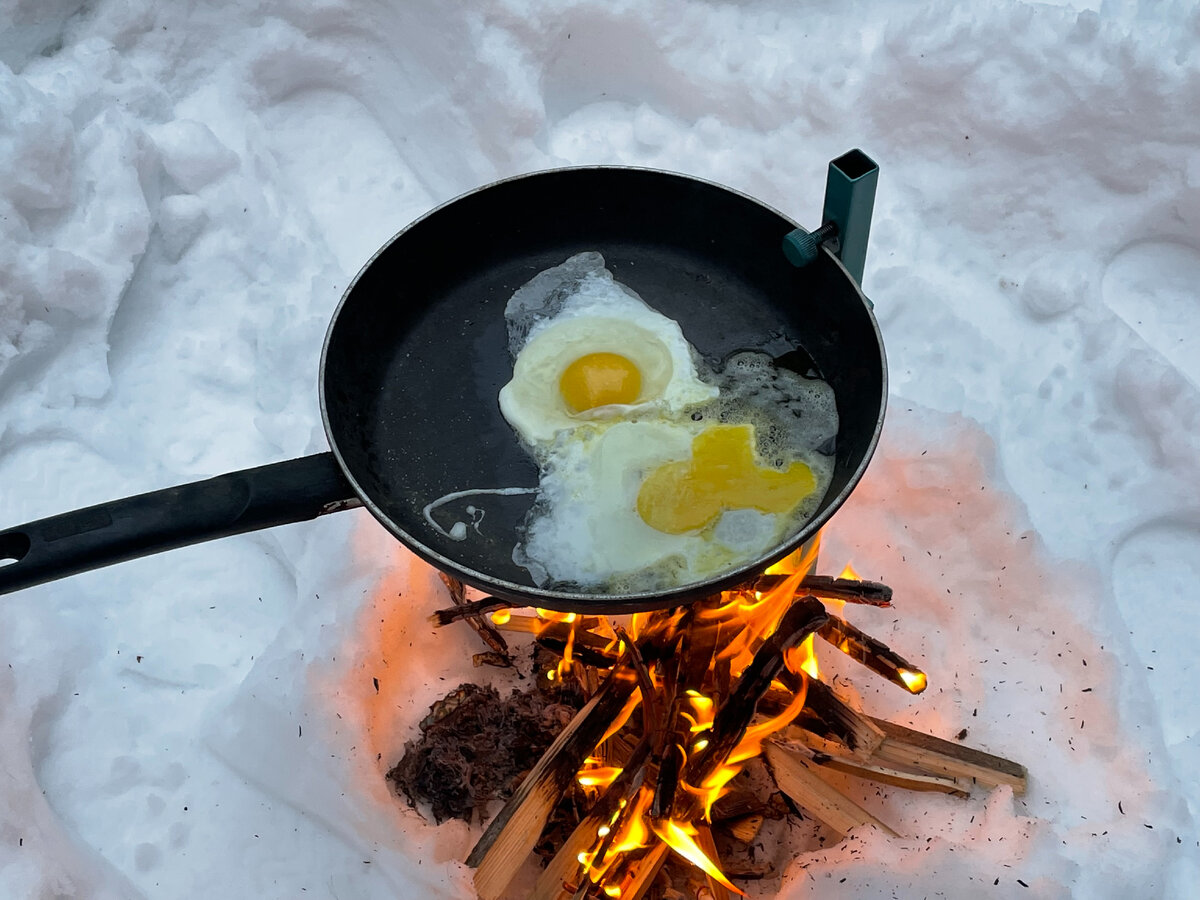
(416, 354)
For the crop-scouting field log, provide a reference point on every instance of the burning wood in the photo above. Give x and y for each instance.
(724, 685)
(847, 590)
(873, 654)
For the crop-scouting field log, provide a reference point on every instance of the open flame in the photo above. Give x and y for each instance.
(680, 837)
(690, 664)
(803, 659)
(749, 618)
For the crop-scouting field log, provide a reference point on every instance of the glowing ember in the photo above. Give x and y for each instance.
(914, 681)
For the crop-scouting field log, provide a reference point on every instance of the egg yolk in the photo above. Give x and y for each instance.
(722, 474)
(599, 379)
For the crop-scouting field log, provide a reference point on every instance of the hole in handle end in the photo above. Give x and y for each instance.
(13, 547)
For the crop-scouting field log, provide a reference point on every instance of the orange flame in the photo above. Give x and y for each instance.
(761, 616)
(803, 658)
(633, 833)
(751, 743)
(567, 661)
(802, 560)
(704, 709)
(622, 717)
(551, 615)
(712, 788)
(680, 837)
(597, 776)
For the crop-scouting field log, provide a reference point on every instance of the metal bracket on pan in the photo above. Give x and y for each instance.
(846, 218)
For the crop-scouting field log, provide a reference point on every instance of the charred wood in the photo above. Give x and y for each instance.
(467, 609)
(751, 794)
(801, 619)
(827, 716)
(872, 653)
(848, 590)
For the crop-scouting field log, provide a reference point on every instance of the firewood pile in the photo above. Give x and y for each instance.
(677, 743)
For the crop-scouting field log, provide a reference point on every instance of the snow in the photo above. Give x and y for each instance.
(187, 190)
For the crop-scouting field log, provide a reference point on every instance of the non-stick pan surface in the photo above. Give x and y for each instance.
(417, 351)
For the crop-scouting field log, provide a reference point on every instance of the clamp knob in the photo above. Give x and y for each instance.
(801, 247)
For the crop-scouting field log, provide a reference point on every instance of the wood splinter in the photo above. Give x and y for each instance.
(499, 655)
(797, 777)
(922, 752)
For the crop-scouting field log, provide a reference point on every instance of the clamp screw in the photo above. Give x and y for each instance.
(801, 247)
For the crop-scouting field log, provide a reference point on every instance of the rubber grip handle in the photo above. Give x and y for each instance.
(276, 494)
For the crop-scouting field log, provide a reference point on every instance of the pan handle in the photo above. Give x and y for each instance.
(113, 532)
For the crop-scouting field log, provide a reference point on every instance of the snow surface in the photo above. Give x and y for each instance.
(187, 189)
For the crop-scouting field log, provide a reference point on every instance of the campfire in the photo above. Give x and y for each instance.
(696, 728)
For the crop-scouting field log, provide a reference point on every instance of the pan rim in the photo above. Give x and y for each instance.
(575, 600)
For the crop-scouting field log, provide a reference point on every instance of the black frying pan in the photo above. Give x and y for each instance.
(417, 353)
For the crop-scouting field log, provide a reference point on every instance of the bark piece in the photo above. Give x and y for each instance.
(474, 747)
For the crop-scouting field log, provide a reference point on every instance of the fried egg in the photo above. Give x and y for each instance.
(656, 470)
(589, 351)
(643, 505)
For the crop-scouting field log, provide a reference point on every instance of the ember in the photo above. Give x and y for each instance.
(698, 722)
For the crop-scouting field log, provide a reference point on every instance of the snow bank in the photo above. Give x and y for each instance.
(188, 190)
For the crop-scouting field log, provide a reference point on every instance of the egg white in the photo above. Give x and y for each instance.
(585, 528)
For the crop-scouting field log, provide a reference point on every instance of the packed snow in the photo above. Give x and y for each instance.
(187, 190)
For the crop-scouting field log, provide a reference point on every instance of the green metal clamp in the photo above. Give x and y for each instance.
(846, 218)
